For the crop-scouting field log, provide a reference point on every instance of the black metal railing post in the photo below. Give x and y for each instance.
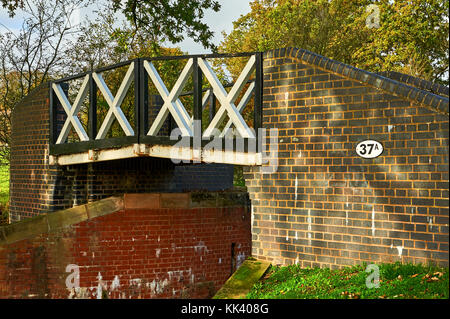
(57, 112)
(212, 105)
(143, 91)
(197, 78)
(137, 97)
(92, 115)
(257, 120)
(52, 115)
(257, 111)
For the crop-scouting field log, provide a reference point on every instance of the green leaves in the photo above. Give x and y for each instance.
(12, 6)
(167, 20)
(412, 36)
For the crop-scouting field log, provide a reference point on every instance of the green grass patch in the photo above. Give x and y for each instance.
(4, 183)
(4, 191)
(396, 281)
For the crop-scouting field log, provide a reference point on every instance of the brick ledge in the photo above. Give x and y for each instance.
(433, 101)
(54, 221)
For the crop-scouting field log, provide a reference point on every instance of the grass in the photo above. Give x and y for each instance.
(4, 183)
(396, 281)
(4, 191)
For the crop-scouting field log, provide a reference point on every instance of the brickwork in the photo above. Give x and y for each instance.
(324, 205)
(327, 207)
(29, 156)
(80, 184)
(136, 246)
(418, 83)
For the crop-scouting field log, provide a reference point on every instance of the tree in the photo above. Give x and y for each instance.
(30, 56)
(103, 42)
(412, 39)
(12, 5)
(161, 19)
(47, 46)
(168, 19)
(412, 36)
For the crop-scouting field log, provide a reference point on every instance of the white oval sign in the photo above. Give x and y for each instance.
(369, 149)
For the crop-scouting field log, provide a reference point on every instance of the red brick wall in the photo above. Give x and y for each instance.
(157, 246)
(325, 206)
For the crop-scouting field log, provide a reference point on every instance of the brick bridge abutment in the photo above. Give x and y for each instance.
(319, 204)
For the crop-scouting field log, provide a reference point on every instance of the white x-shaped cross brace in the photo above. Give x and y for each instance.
(227, 100)
(71, 111)
(172, 103)
(242, 103)
(114, 103)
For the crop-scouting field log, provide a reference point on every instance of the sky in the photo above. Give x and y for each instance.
(220, 21)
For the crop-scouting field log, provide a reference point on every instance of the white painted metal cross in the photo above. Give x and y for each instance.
(172, 103)
(242, 103)
(227, 99)
(71, 111)
(114, 103)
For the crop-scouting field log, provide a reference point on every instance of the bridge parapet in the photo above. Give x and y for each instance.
(99, 125)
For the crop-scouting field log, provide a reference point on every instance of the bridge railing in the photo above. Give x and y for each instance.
(145, 109)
